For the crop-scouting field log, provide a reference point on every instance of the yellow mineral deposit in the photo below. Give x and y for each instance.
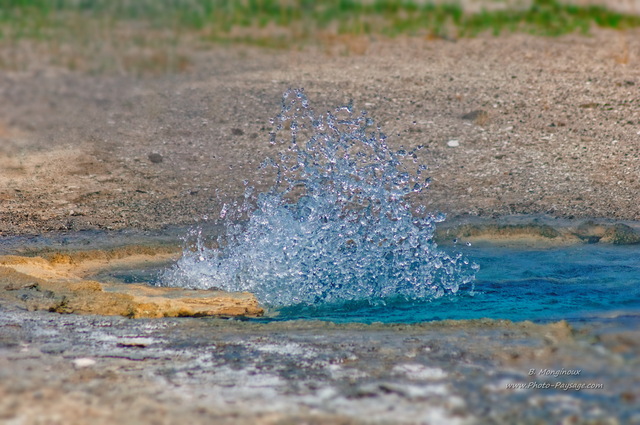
(58, 283)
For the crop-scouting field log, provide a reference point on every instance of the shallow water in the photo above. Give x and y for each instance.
(580, 283)
(577, 283)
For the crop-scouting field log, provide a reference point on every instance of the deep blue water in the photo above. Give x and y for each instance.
(577, 283)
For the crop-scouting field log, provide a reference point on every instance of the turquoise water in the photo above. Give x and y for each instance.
(577, 283)
(581, 283)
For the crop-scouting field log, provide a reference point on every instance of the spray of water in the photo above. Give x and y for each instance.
(336, 226)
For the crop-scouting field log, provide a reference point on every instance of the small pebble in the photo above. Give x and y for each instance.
(453, 143)
(83, 362)
(156, 158)
(475, 115)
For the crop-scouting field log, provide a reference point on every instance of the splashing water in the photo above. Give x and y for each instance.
(336, 226)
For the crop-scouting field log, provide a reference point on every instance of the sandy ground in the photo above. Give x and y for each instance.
(542, 125)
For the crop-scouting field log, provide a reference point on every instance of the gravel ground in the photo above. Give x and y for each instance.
(538, 126)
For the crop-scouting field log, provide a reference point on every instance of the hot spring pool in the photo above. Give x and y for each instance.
(337, 237)
(579, 283)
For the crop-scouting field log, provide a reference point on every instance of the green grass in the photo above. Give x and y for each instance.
(393, 17)
(136, 28)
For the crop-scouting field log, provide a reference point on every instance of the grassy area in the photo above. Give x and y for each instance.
(147, 35)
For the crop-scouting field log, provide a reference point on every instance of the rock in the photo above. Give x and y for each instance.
(479, 117)
(506, 232)
(590, 232)
(617, 234)
(237, 131)
(148, 301)
(53, 285)
(453, 143)
(621, 234)
(156, 158)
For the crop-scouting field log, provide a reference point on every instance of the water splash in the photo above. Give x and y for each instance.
(336, 226)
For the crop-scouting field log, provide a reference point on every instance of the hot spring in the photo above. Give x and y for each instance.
(337, 237)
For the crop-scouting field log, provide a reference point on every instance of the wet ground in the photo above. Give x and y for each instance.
(116, 370)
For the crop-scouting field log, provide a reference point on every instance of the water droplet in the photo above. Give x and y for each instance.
(335, 226)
